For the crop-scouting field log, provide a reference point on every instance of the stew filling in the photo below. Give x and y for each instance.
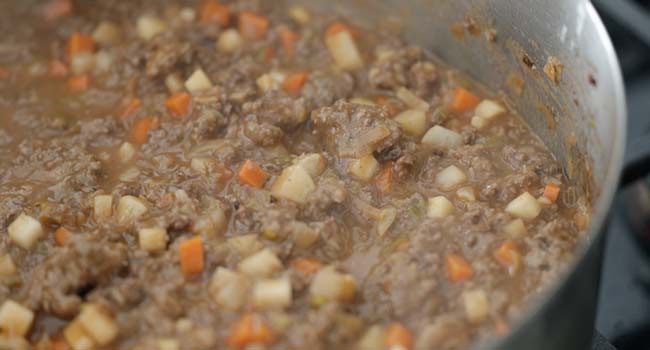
(248, 175)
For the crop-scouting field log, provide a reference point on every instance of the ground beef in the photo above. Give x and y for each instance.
(354, 130)
(324, 87)
(277, 109)
(165, 52)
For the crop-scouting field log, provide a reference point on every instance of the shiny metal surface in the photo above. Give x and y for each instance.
(582, 119)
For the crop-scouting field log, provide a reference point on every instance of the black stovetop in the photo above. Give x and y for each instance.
(624, 306)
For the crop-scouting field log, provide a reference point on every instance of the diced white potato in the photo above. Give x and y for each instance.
(25, 231)
(515, 228)
(412, 121)
(15, 319)
(333, 285)
(98, 324)
(313, 163)
(174, 83)
(344, 50)
(272, 293)
(228, 289)
(82, 63)
(372, 339)
(150, 26)
(212, 223)
(524, 207)
(187, 14)
(303, 235)
(411, 99)
(300, 15)
(107, 33)
(261, 264)
(450, 177)
(7, 266)
(364, 168)
(168, 344)
(479, 122)
(102, 206)
(198, 82)
(270, 81)
(439, 137)
(129, 209)
(439, 207)
(229, 40)
(103, 61)
(489, 109)
(153, 239)
(466, 194)
(245, 245)
(126, 152)
(477, 306)
(77, 337)
(293, 184)
(362, 101)
(10, 342)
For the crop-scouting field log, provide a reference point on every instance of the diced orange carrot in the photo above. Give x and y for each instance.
(458, 269)
(179, 104)
(288, 38)
(253, 26)
(398, 337)
(463, 101)
(78, 83)
(4, 73)
(130, 105)
(386, 102)
(252, 174)
(267, 55)
(508, 256)
(552, 191)
(248, 330)
(212, 11)
(294, 82)
(384, 180)
(190, 253)
(61, 235)
(501, 328)
(306, 266)
(80, 43)
(337, 27)
(57, 69)
(57, 8)
(142, 127)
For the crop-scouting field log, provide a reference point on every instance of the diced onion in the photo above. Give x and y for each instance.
(129, 209)
(212, 223)
(412, 121)
(364, 168)
(103, 61)
(174, 83)
(450, 177)
(477, 306)
(411, 99)
(229, 40)
(439, 207)
(489, 109)
(103, 206)
(126, 152)
(344, 50)
(187, 14)
(25, 231)
(270, 81)
(362, 101)
(466, 194)
(107, 33)
(15, 319)
(439, 137)
(245, 245)
(261, 264)
(272, 293)
(293, 184)
(153, 240)
(525, 207)
(479, 122)
(150, 26)
(198, 82)
(82, 63)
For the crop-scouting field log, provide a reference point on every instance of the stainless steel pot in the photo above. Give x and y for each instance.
(582, 117)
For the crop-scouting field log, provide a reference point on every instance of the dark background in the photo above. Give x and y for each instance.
(624, 308)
